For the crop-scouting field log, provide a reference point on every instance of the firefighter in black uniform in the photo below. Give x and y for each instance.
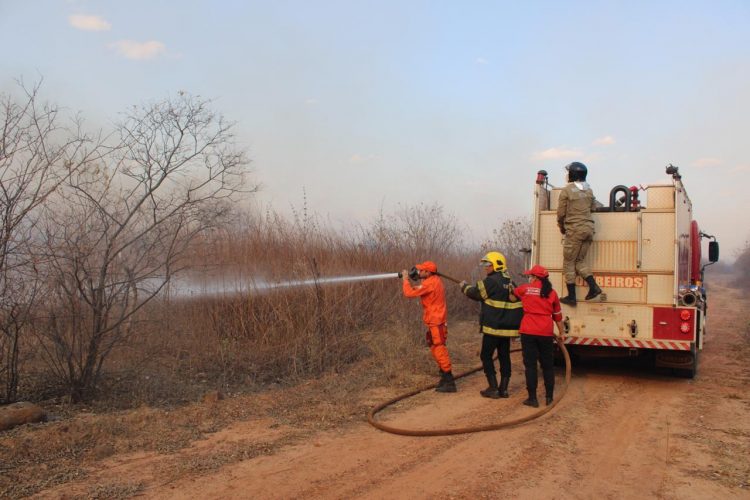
(499, 319)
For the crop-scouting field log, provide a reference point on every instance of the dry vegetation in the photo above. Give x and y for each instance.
(41, 456)
(98, 236)
(242, 342)
(741, 267)
(95, 228)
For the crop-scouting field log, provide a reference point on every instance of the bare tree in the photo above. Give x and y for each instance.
(38, 154)
(122, 230)
(512, 238)
(420, 231)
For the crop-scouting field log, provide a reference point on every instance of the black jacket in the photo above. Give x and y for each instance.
(501, 312)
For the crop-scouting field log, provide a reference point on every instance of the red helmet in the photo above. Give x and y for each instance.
(538, 271)
(427, 265)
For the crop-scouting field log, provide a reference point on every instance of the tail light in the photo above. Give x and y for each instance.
(674, 323)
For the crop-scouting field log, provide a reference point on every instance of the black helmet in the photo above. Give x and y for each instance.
(576, 171)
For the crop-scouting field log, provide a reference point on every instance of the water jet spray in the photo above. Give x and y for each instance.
(260, 286)
(325, 281)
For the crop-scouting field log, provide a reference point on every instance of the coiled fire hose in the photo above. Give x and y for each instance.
(468, 430)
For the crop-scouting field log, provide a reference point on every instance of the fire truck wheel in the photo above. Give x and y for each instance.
(693, 370)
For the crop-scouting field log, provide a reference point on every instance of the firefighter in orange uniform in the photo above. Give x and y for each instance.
(431, 293)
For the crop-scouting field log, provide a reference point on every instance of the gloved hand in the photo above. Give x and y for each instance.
(562, 229)
(404, 274)
(462, 285)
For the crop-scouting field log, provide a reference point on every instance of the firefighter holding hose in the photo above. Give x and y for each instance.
(431, 293)
(499, 318)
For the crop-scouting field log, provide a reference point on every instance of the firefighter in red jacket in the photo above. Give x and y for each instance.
(431, 293)
(541, 311)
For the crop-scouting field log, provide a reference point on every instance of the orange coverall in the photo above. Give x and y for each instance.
(432, 295)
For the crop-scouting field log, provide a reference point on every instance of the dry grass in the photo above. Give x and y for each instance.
(741, 267)
(114, 491)
(305, 356)
(182, 345)
(40, 456)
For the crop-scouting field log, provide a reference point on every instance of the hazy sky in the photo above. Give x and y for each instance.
(367, 104)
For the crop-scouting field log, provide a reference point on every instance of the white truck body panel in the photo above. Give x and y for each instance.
(640, 259)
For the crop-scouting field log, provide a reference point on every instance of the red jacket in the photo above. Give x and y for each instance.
(432, 295)
(538, 312)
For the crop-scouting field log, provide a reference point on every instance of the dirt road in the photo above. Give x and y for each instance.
(619, 433)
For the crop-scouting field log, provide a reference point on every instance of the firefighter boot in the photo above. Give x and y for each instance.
(447, 383)
(594, 289)
(531, 400)
(491, 391)
(441, 382)
(549, 398)
(571, 298)
(504, 381)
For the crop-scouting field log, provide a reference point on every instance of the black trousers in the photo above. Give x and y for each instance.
(538, 349)
(490, 344)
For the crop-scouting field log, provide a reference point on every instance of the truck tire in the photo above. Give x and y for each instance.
(693, 370)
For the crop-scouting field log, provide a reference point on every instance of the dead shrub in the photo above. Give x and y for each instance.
(741, 267)
(512, 239)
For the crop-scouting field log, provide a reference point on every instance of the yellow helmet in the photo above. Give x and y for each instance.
(496, 259)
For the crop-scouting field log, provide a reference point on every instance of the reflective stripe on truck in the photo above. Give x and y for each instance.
(646, 344)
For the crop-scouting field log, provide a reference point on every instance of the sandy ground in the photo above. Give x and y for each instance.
(623, 432)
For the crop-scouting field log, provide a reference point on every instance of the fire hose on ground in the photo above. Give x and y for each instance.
(471, 429)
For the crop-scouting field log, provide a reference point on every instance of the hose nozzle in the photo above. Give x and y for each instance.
(413, 273)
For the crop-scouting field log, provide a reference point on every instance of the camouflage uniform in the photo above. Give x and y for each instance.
(574, 218)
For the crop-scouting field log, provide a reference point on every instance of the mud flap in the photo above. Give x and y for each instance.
(684, 363)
